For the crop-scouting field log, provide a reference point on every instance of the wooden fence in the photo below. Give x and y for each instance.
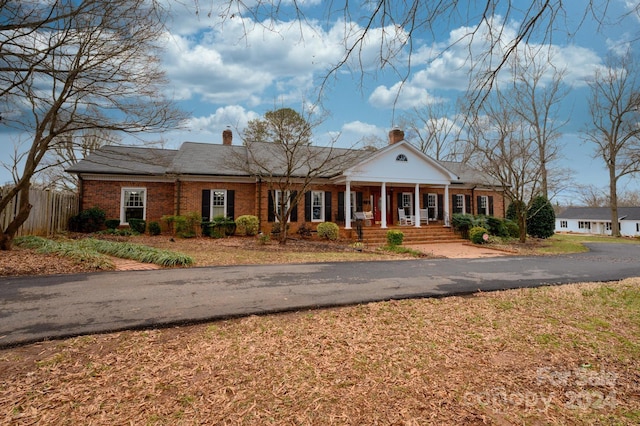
(50, 213)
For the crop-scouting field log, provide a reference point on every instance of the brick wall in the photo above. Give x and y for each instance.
(107, 196)
(244, 198)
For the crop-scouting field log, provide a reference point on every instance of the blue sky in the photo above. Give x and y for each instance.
(228, 72)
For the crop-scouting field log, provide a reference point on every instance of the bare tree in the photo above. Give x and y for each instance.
(536, 99)
(614, 108)
(592, 196)
(70, 149)
(67, 67)
(436, 133)
(504, 148)
(280, 154)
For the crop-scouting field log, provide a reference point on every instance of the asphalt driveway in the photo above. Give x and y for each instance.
(37, 308)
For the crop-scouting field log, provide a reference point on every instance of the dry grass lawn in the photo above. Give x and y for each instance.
(554, 355)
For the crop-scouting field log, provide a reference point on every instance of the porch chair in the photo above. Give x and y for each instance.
(424, 216)
(403, 218)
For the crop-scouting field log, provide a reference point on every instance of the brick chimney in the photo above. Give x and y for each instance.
(395, 135)
(227, 137)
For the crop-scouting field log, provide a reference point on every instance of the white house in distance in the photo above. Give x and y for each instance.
(597, 220)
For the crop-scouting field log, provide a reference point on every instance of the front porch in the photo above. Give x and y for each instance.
(433, 233)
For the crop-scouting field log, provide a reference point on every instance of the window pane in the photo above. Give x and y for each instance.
(133, 204)
(218, 203)
(133, 213)
(317, 198)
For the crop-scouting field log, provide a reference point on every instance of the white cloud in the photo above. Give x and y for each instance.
(233, 116)
(401, 96)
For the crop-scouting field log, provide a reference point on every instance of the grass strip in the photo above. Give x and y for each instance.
(138, 252)
(70, 250)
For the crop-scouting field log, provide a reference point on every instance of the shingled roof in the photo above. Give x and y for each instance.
(601, 214)
(126, 160)
(206, 159)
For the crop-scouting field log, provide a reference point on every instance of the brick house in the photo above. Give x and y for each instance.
(216, 179)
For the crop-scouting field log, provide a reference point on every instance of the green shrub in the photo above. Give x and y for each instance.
(511, 213)
(541, 219)
(275, 228)
(394, 238)
(462, 222)
(497, 226)
(477, 233)
(513, 230)
(221, 226)
(247, 225)
(154, 228)
(112, 223)
(138, 225)
(183, 226)
(304, 230)
(328, 230)
(263, 238)
(90, 220)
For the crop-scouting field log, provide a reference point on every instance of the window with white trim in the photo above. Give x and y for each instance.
(584, 225)
(218, 202)
(607, 226)
(133, 204)
(317, 206)
(459, 207)
(432, 205)
(483, 208)
(407, 201)
(564, 224)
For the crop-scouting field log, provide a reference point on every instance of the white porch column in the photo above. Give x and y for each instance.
(416, 206)
(447, 218)
(383, 213)
(347, 206)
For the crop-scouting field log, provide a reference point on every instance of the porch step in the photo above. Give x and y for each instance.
(427, 234)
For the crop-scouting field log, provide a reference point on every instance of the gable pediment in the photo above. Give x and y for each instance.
(399, 163)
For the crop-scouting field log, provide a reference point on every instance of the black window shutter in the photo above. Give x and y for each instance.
(294, 207)
(490, 205)
(327, 206)
(358, 202)
(206, 205)
(467, 204)
(454, 205)
(440, 207)
(231, 195)
(400, 201)
(479, 204)
(271, 213)
(340, 216)
(307, 206)
(425, 201)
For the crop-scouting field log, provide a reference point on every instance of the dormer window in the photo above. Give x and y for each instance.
(401, 157)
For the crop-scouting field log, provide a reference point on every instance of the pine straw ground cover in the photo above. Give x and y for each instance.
(552, 355)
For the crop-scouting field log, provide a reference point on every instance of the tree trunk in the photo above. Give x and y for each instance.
(282, 236)
(6, 239)
(613, 202)
(522, 224)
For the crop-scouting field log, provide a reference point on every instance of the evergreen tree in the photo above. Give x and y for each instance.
(541, 219)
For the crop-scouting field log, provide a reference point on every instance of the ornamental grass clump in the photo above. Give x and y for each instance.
(71, 250)
(139, 253)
